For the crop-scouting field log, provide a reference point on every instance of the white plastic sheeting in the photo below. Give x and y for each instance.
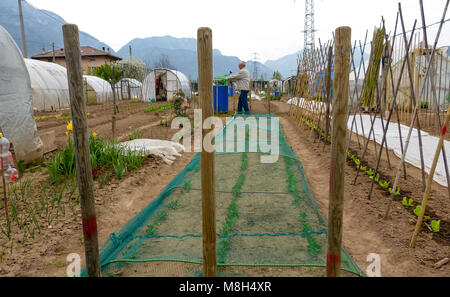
(311, 105)
(102, 88)
(173, 81)
(255, 96)
(49, 85)
(167, 150)
(127, 87)
(429, 144)
(16, 107)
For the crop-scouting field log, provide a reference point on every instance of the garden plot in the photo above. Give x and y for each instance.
(429, 144)
(265, 217)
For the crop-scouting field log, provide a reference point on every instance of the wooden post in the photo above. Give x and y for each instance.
(5, 193)
(328, 88)
(205, 83)
(81, 142)
(430, 181)
(338, 153)
(22, 29)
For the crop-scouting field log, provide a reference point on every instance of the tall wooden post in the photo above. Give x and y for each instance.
(22, 29)
(81, 142)
(328, 92)
(53, 53)
(205, 92)
(338, 153)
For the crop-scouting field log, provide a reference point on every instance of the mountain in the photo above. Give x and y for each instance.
(286, 65)
(42, 27)
(181, 54)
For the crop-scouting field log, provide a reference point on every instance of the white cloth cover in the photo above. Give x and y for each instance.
(167, 150)
(16, 106)
(429, 144)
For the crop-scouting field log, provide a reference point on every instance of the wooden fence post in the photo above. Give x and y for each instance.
(338, 153)
(205, 92)
(81, 142)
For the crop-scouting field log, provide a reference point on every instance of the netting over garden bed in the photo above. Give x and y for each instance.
(268, 223)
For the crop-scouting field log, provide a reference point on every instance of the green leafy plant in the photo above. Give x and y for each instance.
(377, 178)
(417, 210)
(173, 205)
(407, 202)
(384, 184)
(370, 172)
(187, 186)
(151, 229)
(161, 215)
(396, 193)
(436, 225)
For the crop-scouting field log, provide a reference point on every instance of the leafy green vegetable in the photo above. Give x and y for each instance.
(407, 202)
(436, 225)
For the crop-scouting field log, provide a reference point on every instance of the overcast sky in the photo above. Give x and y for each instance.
(240, 28)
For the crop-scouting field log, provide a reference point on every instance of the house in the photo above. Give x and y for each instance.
(91, 58)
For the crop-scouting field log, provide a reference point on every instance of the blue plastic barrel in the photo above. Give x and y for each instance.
(230, 91)
(222, 101)
(276, 94)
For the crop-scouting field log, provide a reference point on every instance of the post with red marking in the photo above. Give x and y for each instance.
(205, 93)
(81, 142)
(338, 153)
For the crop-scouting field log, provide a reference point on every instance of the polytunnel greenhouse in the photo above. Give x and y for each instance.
(163, 84)
(16, 108)
(49, 85)
(129, 88)
(97, 89)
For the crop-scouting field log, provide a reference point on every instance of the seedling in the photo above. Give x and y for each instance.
(384, 184)
(436, 225)
(150, 229)
(161, 215)
(173, 204)
(406, 202)
(417, 212)
(396, 193)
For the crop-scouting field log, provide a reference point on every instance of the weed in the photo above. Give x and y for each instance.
(136, 134)
(173, 205)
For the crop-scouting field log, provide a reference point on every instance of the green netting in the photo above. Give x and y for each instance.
(268, 223)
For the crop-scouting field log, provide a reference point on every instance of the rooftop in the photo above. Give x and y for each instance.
(86, 51)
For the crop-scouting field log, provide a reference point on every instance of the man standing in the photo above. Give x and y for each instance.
(242, 79)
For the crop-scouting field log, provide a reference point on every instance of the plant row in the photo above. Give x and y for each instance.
(432, 225)
(232, 213)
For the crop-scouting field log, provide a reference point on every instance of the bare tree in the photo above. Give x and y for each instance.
(163, 62)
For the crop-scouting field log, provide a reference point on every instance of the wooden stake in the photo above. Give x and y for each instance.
(205, 82)
(81, 142)
(338, 153)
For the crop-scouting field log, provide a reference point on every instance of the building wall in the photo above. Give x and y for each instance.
(88, 63)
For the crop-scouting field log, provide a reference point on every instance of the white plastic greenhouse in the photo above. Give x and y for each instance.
(99, 90)
(49, 85)
(16, 107)
(163, 84)
(129, 88)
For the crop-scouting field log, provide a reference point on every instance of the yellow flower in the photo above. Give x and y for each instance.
(67, 133)
(69, 126)
(94, 134)
(1, 135)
